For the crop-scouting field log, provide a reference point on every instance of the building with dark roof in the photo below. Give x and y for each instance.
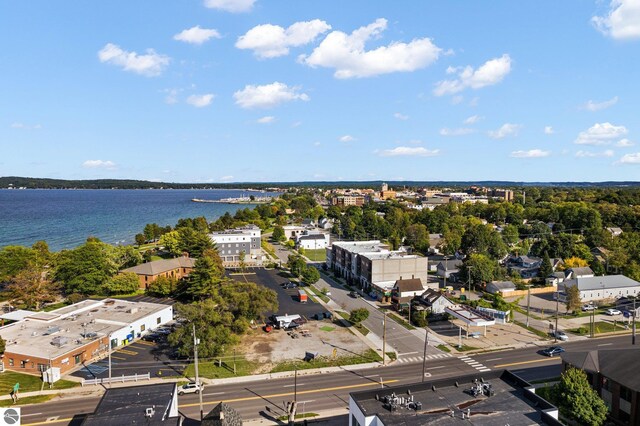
(435, 301)
(169, 268)
(137, 405)
(613, 373)
(493, 398)
(222, 415)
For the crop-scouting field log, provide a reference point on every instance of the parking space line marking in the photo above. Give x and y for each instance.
(117, 357)
(144, 342)
(127, 352)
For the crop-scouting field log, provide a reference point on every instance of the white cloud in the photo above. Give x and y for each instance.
(624, 143)
(150, 65)
(456, 132)
(99, 164)
(583, 154)
(473, 119)
(296, 124)
(630, 159)
(200, 101)
(18, 125)
(266, 119)
(488, 74)
(507, 129)
(408, 151)
(532, 153)
(172, 96)
(548, 130)
(457, 99)
(271, 41)
(233, 6)
(622, 20)
(347, 138)
(226, 178)
(317, 143)
(601, 134)
(346, 53)
(196, 35)
(268, 95)
(400, 116)
(597, 106)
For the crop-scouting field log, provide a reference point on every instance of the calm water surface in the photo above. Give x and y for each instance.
(65, 218)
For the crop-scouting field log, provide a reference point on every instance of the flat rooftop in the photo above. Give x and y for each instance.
(362, 246)
(72, 326)
(444, 403)
(470, 316)
(390, 255)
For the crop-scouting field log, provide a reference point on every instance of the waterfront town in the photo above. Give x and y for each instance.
(285, 212)
(415, 305)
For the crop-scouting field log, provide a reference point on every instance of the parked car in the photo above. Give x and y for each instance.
(151, 337)
(192, 387)
(589, 307)
(553, 350)
(612, 312)
(354, 294)
(560, 335)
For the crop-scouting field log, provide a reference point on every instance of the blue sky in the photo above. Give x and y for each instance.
(266, 90)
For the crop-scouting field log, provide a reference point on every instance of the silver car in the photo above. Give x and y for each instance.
(191, 387)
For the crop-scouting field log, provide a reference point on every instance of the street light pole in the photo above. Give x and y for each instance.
(555, 330)
(384, 337)
(196, 342)
(109, 360)
(633, 318)
(528, 303)
(424, 354)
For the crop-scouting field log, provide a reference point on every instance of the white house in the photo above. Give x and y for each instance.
(602, 288)
(435, 301)
(448, 267)
(313, 241)
(293, 231)
(502, 287)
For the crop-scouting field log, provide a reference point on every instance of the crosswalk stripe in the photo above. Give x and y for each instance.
(485, 369)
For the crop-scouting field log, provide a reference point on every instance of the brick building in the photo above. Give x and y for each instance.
(169, 268)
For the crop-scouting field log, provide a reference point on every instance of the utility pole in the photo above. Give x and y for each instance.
(196, 342)
(633, 318)
(528, 303)
(109, 361)
(384, 337)
(424, 354)
(555, 330)
(446, 258)
(469, 279)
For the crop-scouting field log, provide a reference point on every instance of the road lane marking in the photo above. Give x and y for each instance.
(528, 362)
(606, 344)
(117, 357)
(211, 394)
(278, 395)
(493, 359)
(484, 369)
(407, 353)
(435, 368)
(50, 422)
(290, 386)
(33, 414)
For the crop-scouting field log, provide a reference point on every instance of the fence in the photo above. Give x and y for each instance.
(534, 290)
(120, 379)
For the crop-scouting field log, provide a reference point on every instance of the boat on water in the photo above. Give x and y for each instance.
(198, 200)
(238, 200)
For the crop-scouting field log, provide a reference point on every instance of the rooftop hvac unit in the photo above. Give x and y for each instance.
(52, 330)
(132, 310)
(59, 341)
(149, 412)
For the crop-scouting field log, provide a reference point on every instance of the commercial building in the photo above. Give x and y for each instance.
(372, 266)
(67, 337)
(231, 243)
(137, 405)
(613, 373)
(492, 398)
(170, 268)
(348, 200)
(604, 288)
(505, 194)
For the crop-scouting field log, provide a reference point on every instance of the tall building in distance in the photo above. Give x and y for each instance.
(231, 243)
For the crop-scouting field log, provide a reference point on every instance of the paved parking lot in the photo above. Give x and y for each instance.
(140, 357)
(287, 299)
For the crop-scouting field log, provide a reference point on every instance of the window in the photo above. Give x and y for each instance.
(42, 367)
(77, 358)
(625, 393)
(23, 364)
(158, 320)
(142, 328)
(10, 362)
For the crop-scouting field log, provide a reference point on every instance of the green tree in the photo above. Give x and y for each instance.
(310, 275)
(126, 256)
(573, 298)
(86, 268)
(418, 237)
(212, 324)
(243, 264)
(140, 239)
(278, 233)
(193, 241)
(510, 234)
(577, 400)
(545, 267)
(296, 264)
(171, 243)
(3, 345)
(247, 300)
(358, 315)
(162, 287)
(206, 276)
(14, 259)
(31, 288)
(575, 262)
(125, 283)
(479, 268)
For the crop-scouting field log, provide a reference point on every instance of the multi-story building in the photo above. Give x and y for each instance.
(505, 194)
(348, 200)
(170, 268)
(69, 337)
(372, 266)
(231, 243)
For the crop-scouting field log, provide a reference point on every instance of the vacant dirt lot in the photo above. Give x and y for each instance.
(279, 345)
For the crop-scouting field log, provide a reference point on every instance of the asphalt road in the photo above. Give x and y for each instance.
(331, 391)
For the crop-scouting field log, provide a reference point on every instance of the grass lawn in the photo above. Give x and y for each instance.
(537, 332)
(400, 321)
(464, 348)
(316, 255)
(318, 294)
(27, 400)
(299, 416)
(268, 248)
(211, 370)
(29, 383)
(320, 362)
(327, 328)
(361, 328)
(443, 348)
(604, 327)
